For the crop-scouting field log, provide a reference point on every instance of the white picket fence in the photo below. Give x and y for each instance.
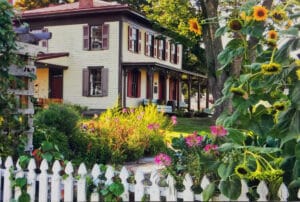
(44, 187)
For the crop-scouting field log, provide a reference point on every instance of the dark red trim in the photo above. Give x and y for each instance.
(45, 56)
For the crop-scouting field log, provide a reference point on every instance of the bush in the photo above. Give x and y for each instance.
(130, 133)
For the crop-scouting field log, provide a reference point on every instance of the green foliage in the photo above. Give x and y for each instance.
(129, 133)
(32, 4)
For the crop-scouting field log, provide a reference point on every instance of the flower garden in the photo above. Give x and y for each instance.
(256, 139)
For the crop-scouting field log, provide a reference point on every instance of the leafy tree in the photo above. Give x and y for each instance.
(32, 4)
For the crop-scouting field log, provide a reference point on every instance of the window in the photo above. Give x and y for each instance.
(174, 53)
(95, 37)
(149, 44)
(134, 83)
(95, 81)
(162, 49)
(134, 40)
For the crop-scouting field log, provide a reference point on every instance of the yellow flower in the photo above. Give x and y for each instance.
(194, 26)
(298, 73)
(272, 34)
(239, 92)
(271, 68)
(279, 105)
(242, 171)
(260, 13)
(235, 24)
(245, 17)
(278, 15)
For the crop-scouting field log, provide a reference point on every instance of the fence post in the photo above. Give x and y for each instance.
(188, 194)
(171, 192)
(95, 175)
(139, 186)
(7, 195)
(154, 189)
(19, 174)
(124, 174)
(283, 192)
(81, 184)
(244, 191)
(68, 183)
(31, 179)
(262, 191)
(43, 182)
(55, 182)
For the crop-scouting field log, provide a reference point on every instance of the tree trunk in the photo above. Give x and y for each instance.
(213, 46)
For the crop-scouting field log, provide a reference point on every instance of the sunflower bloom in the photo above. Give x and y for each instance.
(195, 27)
(278, 15)
(242, 171)
(235, 24)
(271, 68)
(279, 106)
(260, 13)
(239, 92)
(272, 34)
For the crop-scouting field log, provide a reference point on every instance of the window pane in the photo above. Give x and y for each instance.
(95, 82)
(96, 37)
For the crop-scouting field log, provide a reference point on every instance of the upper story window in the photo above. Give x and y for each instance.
(95, 37)
(134, 39)
(149, 44)
(162, 49)
(95, 82)
(174, 57)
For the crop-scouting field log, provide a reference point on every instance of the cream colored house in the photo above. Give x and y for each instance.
(102, 53)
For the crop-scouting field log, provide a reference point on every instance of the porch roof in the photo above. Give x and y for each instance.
(155, 65)
(46, 56)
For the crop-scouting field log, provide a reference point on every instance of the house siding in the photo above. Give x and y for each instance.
(71, 37)
(41, 84)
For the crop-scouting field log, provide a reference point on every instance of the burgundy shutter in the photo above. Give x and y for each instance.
(139, 84)
(85, 82)
(129, 84)
(166, 50)
(148, 87)
(139, 41)
(158, 49)
(86, 37)
(177, 54)
(104, 81)
(155, 47)
(129, 38)
(146, 44)
(45, 42)
(105, 36)
(172, 53)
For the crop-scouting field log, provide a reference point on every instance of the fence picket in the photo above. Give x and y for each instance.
(19, 174)
(7, 195)
(95, 175)
(154, 188)
(204, 183)
(262, 190)
(0, 179)
(298, 194)
(43, 182)
(244, 191)
(31, 179)
(139, 190)
(55, 182)
(188, 194)
(69, 183)
(171, 192)
(124, 174)
(81, 184)
(283, 192)
(110, 173)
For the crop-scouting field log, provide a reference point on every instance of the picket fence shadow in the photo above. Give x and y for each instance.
(44, 187)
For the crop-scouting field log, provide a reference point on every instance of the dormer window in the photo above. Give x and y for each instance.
(95, 37)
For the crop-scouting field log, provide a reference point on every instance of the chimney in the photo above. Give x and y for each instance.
(85, 3)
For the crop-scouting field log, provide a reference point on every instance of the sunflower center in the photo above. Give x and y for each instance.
(235, 25)
(278, 16)
(273, 36)
(261, 13)
(242, 171)
(195, 26)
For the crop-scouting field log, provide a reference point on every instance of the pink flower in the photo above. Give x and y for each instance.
(174, 120)
(124, 110)
(132, 110)
(210, 147)
(218, 131)
(153, 126)
(163, 159)
(193, 140)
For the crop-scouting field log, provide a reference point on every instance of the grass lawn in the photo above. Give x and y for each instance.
(187, 126)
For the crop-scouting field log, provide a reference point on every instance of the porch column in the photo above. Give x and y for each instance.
(124, 73)
(199, 95)
(189, 92)
(207, 95)
(178, 84)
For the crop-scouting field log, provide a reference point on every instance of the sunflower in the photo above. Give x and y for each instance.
(235, 24)
(245, 17)
(242, 171)
(272, 34)
(260, 13)
(239, 92)
(194, 26)
(279, 105)
(278, 15)
(271, 68)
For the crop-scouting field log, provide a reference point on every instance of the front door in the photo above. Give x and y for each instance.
(56, 83)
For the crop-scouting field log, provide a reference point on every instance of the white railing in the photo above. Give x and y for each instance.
(53, 187)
